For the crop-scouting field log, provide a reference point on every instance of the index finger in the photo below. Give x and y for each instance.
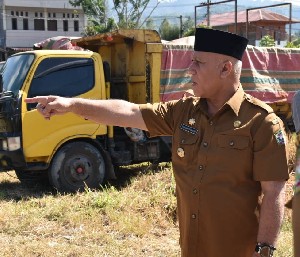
(37, 99)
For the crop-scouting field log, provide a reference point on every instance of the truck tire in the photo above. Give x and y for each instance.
(75, 166)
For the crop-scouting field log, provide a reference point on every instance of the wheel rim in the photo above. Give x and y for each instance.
(77, 165)
(78, 170)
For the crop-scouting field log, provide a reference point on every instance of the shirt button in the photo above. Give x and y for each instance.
(211, 123)
(182, 141)
(201, 167)
(195, 191)
(193, 216)
(231, 143)
(205, 144)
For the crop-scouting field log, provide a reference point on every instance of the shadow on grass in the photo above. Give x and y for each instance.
(11, 189)
(126, 174)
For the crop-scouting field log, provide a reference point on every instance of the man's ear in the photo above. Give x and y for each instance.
(226, 68)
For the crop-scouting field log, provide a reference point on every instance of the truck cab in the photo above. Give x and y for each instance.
(70, 151)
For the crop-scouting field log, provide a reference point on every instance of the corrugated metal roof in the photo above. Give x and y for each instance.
(253, 16)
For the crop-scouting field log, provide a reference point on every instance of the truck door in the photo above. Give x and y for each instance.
(63, 76)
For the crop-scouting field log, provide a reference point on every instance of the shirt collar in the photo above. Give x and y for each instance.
(234, 102)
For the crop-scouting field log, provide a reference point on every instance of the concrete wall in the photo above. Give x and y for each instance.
(39, 3)
(31, 10)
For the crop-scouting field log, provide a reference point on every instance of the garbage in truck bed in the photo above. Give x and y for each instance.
(57, 43)
(271, 74)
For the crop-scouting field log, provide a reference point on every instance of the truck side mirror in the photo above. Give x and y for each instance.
(106, 69)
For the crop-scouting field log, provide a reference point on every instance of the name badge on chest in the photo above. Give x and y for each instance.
(188, 129)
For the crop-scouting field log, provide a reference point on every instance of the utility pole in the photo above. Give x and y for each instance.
(208, 13)
(180, 27)
(208, 4)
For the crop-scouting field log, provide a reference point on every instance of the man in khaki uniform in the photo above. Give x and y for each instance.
(228, 149)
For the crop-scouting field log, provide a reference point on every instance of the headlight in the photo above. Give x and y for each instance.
(4, 144)
(11, 143)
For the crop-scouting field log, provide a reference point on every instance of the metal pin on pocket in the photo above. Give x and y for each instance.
(237, 123)
(180, 152)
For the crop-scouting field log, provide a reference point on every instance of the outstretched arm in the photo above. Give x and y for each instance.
(111, 112)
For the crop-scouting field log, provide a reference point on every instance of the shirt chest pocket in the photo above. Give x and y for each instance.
(233, 142)
(186, 138)
(184, 146)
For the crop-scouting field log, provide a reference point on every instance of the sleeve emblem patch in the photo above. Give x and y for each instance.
(280, 137)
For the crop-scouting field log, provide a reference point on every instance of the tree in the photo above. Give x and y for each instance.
(149, 24)
(167, 31)
(267, 41)
(97, 13)
(293, 44)
(188, 27)
(191, 30)
(295, 41)
(129, 13)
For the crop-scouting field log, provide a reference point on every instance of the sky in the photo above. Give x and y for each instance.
(254, 2)
(185, 6)
(294, 2)
(172, 9)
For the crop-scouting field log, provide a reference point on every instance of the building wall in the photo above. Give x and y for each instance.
(20, 17)
(259, 29)
(39, 3)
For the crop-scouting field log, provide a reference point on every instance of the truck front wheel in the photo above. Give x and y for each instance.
(75, 166)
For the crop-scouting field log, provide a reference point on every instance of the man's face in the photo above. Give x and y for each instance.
(205, 72)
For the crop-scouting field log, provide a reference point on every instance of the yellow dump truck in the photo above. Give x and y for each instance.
(71, 151)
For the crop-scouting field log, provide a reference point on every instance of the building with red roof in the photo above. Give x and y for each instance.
(261, 22)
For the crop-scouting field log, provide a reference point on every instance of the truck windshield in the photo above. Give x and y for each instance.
(15, 71)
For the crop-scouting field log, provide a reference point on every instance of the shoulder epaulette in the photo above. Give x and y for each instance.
(258, 103)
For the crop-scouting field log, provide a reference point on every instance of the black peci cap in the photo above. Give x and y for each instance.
(221, 42)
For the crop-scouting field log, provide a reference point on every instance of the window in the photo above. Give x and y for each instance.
(65, 25)
(64, 15)
(41, 14)
(25, 24)
(76, 25)
(54, 15)
(22, 14)
(63, 76)
(16, 67)
(49, 15)
(52, 25)
(39, 24)
(12, 13)
(36, 14)
(14, 23)
(17, 13)
(68, 15)
(26, 14)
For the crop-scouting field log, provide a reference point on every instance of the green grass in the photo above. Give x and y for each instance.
(134, 216)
